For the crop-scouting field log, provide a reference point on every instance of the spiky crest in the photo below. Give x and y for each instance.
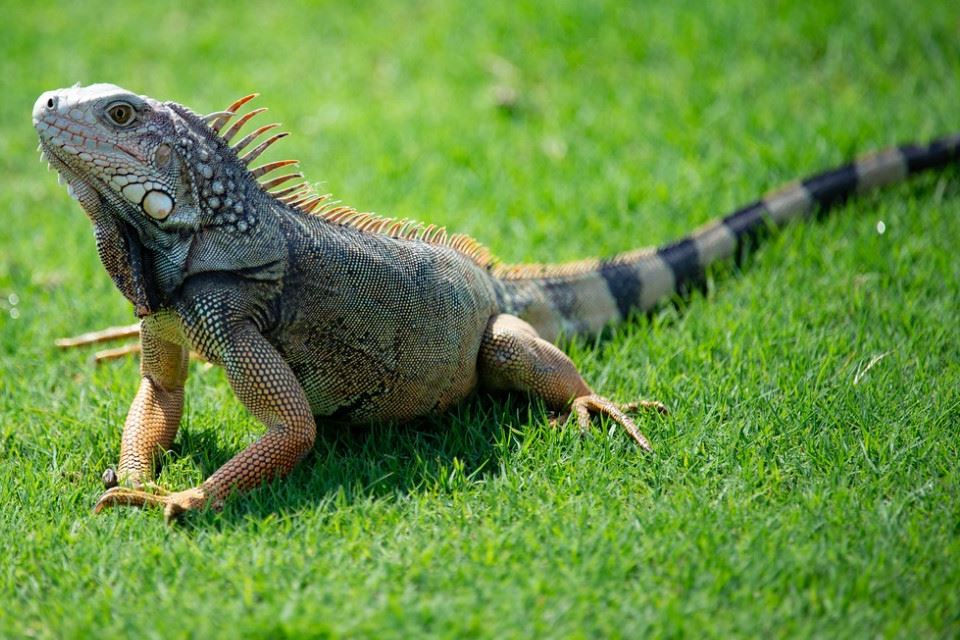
(566, 270)
(302, 197)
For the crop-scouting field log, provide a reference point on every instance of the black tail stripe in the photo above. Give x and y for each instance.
(922, 158)
(624, 275)
(747, 222)
(562, 298)
(748, 225)
(684, 261)
(624, 284)
(832, 187)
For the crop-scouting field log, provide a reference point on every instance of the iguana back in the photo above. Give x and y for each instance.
(378, 328)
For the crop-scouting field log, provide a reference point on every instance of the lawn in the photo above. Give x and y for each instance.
(806, 482)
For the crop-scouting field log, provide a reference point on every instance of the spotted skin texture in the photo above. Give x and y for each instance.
(319, 312)
(399, 342)
(154, 416)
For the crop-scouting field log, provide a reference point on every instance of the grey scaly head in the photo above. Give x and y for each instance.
(155, 175)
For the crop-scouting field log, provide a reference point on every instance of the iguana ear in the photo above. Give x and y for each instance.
(232, 230)
(174, 204)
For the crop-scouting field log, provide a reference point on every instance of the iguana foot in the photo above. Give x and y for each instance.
(657, 406)
(583, 405)
(513, 356)
(106, 335)
(174, 504)
(111, 480)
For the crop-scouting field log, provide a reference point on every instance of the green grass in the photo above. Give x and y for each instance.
(806, 483)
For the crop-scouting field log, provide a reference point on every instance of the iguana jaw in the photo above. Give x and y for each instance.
(77, 188)
(119, 249)
(129, 162)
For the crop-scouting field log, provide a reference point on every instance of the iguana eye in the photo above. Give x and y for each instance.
(121, 113)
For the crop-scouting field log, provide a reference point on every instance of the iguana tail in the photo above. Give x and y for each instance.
(583, 297)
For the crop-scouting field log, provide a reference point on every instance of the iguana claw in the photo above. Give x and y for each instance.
(111, 479)
(127, 497)
(174, 504)
(583, 405)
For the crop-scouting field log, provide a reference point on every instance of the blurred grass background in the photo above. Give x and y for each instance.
(806, 482)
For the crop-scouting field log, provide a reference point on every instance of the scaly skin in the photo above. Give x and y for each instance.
(320, 311)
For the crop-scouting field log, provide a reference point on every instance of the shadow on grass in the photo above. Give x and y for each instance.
(352, 464)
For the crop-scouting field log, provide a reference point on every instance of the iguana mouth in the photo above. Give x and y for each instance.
(65, 176)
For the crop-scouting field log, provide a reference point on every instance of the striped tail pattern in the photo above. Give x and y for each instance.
(585, 296)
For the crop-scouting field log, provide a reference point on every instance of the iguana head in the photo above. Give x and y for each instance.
(167, 194)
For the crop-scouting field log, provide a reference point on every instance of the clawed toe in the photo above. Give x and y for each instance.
(659, 407)
(174, 504)
(584, 405)
(123, 496)
(111, 480)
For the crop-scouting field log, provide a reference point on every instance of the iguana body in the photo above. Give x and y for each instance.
(315, 310)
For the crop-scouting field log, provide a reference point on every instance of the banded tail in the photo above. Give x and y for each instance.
(583, 297)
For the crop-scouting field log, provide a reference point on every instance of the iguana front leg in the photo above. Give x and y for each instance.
(267, 387)
(514, 357)
(154, 415)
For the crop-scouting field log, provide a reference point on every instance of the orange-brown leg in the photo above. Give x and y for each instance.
(154, 415)
(514, 357)
(268, 388)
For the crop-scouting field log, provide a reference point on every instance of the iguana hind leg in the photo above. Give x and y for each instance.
(110, 334)
(514, 357)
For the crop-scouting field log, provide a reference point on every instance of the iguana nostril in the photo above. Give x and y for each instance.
(49, 103)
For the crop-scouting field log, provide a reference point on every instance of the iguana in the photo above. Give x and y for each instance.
(318, 310)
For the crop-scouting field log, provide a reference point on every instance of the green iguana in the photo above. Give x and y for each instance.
(319, 310)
